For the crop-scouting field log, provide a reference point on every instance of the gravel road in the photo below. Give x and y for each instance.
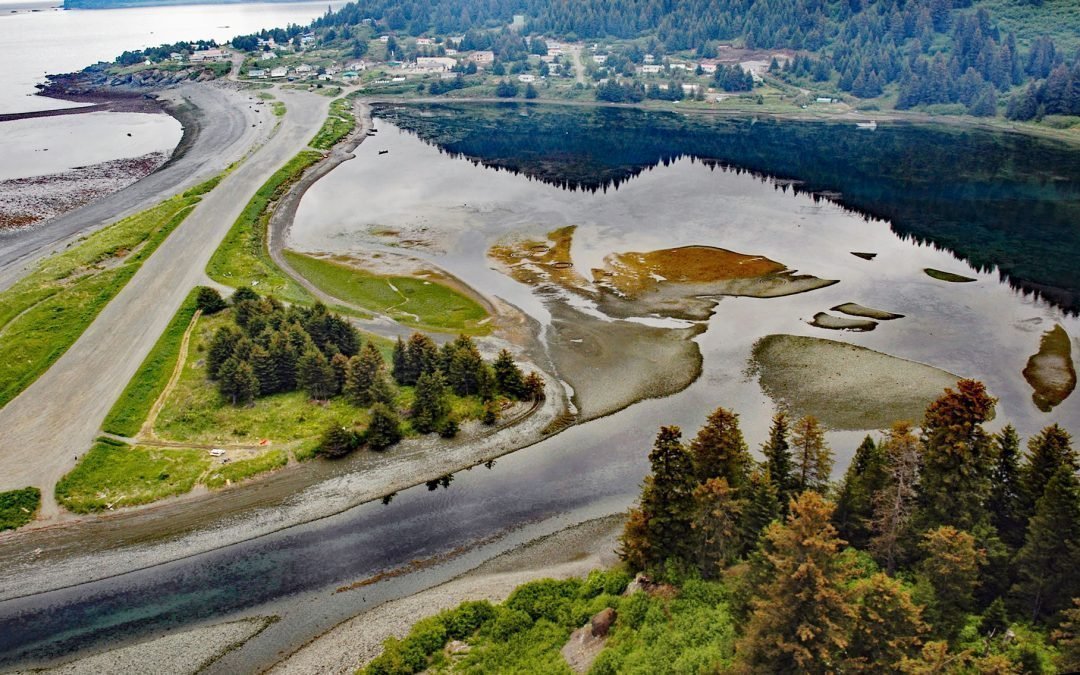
(57, 417)
(222, 125)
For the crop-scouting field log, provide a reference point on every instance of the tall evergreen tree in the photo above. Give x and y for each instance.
(465, 367)
(716, 522)
(237, 381)
(947, 576)
(719, 450)
(762, 508)
(777, 452)
(865, 476)
(400, 364)
(812, 457)
(887, 628)
(432, 403)
(958, 458)
(222, 346)
(1048, 451)
(384, 429)
(315, 375)
(1006, 493)
(361, 375)
(661, 528)
(802, 616)
(1047, 564)
(509, 380)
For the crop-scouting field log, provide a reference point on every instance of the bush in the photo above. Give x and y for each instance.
(449, 428)
(545, 599)
(337, 441)
(509, 622)
(384, 429)
(467, 618)
(209, 301)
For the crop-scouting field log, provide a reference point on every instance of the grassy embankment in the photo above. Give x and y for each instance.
(17, 507)
(244, 260)
(113, 474)
(416, 302)
(43, 314)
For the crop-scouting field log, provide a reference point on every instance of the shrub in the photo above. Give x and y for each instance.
(547, 599)
(17, 507)
(509, 622)
(449, 428)
(209, 301)
(337, 441)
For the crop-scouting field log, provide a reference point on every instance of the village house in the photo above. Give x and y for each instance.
(526, 78)
(384, 38)
(280, 71)
(357, 66)
(548, 59)
(650, 69)
(257, 72)
(482, 58)
(307, 40)
(350, 76)
(435, 64)
(600, 58)
(424, 42)
(649, 58)
(451, 52)
(267, 56)
(325, 77)
(304, 69)
(176, 56)
(205, 55)
(708, 66)
(554, 51)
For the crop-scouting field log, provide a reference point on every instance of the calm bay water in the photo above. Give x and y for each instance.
(489, 172)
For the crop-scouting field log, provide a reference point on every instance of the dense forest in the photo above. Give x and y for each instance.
(943, 549)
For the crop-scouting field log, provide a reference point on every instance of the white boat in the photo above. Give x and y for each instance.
(870, 126)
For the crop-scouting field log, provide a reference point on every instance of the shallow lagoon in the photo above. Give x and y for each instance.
(450, 208)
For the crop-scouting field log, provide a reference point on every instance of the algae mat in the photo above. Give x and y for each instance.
(845, 386)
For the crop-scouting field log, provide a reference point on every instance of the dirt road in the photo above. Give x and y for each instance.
(57, 417)
(221, 126)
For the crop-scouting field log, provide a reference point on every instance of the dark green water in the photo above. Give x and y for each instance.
(998, 200)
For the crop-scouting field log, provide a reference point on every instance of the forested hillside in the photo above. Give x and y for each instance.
(917, 52)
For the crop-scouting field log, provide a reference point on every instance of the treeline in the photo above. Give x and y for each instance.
(162, 52)
(269, 349)
(935, 540)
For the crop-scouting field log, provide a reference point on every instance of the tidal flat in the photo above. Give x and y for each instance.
(573, 224)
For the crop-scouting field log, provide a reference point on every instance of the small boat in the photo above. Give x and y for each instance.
(869, 126)
(383, 152)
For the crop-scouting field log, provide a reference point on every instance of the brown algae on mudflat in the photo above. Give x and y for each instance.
(1050, 371)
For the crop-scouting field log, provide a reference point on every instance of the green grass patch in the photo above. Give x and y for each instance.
(279, 109)
(420, 303)
(243, 259)
(43, 314)
(339, 123)
(112, 475)
(265, 96)
(946, 276)
(246, 468)
(17, 507)
(132, 408)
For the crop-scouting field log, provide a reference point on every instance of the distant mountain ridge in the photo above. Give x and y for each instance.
(117, 4)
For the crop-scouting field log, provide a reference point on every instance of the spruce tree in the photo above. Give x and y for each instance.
(534, 387)
(719, 450)
(431, 405)
(315, 375)
(209, 301)
(265, 370)
(802, 615)
(421, 356)
(1006, 492)
(383, 390)
(777, 452)
(384, 429)
(337, 441)
(464, 370)
(400, 364)
(947, 576)
(762, 508)
(1047, 564)
(237, 381)
(339, 363)
(361, 375)
(957, 459)
(887, 628)
(222, 346)
(865, 476)
(661, 528)
(812, 457)
(717, 516)
(1048, 451)
(509, 380)
(284, 357)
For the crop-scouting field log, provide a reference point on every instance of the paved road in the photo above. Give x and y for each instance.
(57, 417)
(227, 124)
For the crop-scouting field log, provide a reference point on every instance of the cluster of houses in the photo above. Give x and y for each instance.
(201, 56)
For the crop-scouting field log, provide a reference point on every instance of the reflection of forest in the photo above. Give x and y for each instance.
(995, 199)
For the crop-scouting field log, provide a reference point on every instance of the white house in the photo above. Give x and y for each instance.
(267, 56)
(304, 69)
(482, 58)
(176, 56)
(649, 58)
(526, 78)
(384, 38)
(651, 68)
(424, 42)
(435, 64)
(600, 58)
(708, 65)
(280, 71)
(257, 72)
(205, 55)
